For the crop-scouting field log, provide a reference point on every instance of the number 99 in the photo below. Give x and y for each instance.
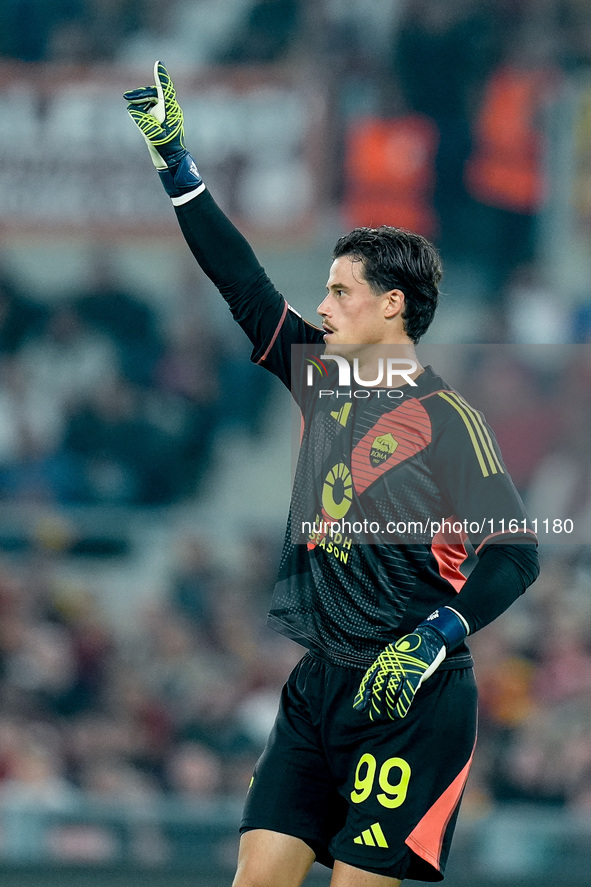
(393, 794)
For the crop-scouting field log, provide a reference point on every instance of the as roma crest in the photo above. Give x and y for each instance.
(382, 447)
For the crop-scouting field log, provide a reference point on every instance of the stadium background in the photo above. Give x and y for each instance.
(145, 464)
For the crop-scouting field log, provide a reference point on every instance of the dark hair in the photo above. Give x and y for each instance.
(394, 258)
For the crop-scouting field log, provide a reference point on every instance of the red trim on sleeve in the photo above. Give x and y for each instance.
(450, 556)
(275, 334)
(426, 839)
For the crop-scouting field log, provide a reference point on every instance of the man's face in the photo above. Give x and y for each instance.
(352, 314)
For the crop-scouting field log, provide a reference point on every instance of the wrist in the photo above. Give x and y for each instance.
(181, 175)
(449, 625)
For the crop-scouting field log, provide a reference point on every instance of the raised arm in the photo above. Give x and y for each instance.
(220, 249)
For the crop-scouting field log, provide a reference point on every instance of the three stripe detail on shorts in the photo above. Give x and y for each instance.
(372, 836)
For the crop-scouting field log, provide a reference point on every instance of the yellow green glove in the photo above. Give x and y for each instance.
(390, 684)
(159, 117)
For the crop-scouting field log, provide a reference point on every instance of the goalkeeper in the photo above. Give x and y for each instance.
(366, 764)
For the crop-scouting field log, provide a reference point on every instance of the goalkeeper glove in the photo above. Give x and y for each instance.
(389, 685)
(155, 110)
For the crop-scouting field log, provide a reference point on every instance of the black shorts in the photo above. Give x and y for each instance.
(381, 796)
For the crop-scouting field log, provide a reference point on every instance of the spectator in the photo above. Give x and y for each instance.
(129, 322)
(457, 40)
(20, 317)
(194, 772)
(267, 34)
(125, 457)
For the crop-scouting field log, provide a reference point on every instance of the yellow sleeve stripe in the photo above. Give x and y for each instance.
(471, 432)
(479, 436)
(492, 453)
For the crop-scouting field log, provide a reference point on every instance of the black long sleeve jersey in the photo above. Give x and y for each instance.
(378, 463)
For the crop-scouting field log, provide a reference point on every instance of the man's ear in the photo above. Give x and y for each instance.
(396, 303)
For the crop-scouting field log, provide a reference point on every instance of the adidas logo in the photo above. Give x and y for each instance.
(372, 836)
(343, 414)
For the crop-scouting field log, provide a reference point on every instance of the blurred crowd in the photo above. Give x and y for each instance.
(436, 110)
(534, 673)
(105, 402)
(177, 703)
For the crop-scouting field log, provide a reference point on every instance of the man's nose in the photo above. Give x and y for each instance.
(324, 309)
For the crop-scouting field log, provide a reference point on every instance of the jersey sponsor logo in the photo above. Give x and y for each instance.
(480, 438)
(342, 415)
(323, 537)
(382, 448)
(372, 837)
(337, 492)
